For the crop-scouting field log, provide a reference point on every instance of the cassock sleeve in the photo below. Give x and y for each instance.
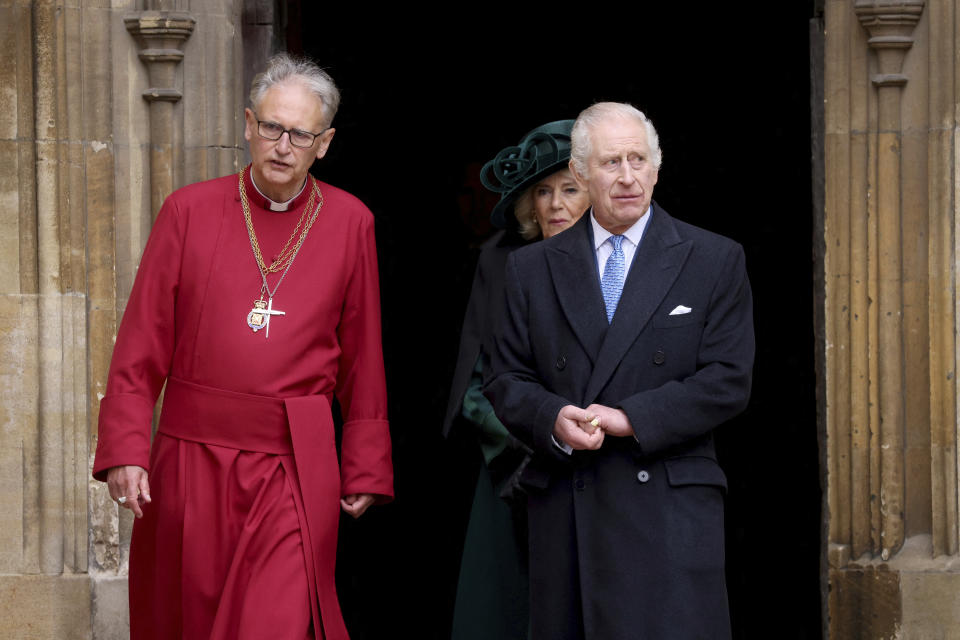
(143, 351)
(366, 465)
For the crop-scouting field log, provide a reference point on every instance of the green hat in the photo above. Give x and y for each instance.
(541, 152)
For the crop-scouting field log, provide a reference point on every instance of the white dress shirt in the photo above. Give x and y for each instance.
(632, 237)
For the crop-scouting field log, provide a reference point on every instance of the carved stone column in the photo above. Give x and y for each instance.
(865, 330)
(890, 25)
(44, 590)
(944, 176)
(161, 35)
(864, 266)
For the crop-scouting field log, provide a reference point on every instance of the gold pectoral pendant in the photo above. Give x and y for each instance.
(259, 316)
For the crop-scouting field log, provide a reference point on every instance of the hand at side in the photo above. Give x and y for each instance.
(129, 482)
(356, 503)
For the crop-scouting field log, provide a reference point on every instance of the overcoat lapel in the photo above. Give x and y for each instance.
(573, 269)
(656, 265)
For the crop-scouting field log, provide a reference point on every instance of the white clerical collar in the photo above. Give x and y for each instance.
(634, 234)
(278, 206)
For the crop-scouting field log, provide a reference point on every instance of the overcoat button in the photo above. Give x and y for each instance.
(659, 357)
(579, 484)
(643, 476)
(561, 363)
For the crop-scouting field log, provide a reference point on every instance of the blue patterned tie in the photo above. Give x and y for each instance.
(612, 281)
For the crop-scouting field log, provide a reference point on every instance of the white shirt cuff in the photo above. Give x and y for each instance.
(567, 449)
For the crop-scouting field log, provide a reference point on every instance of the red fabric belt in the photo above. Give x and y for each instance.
(302, 426)
(225, 418)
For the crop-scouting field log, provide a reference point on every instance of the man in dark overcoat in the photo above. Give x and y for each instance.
(624, 342)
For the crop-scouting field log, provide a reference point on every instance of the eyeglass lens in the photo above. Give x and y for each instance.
(273, 131)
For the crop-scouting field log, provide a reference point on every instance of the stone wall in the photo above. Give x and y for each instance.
(890, 352)
(105, 107)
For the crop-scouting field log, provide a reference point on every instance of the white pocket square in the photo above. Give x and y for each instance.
(680, 310)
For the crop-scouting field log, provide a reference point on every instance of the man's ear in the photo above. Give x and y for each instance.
(249, 124)
(325, 139)
(581, 181)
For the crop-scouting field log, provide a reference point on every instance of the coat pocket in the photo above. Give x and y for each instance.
(695, 516)
(661, 321)
(695, 470)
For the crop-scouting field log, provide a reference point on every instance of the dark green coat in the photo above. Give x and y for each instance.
(492, 591)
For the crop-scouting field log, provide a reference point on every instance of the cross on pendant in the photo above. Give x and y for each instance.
(259, 317)
(271, 312)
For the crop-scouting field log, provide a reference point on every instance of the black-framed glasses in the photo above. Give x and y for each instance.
(298, 137)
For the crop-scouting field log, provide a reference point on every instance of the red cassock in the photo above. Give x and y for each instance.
(240, 538)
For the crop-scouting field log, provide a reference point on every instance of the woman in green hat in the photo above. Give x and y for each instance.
(539, 199)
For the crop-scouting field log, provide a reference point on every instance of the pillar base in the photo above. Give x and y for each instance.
(43, 607)
(911, 596)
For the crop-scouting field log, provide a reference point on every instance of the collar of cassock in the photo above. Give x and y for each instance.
(256, 197)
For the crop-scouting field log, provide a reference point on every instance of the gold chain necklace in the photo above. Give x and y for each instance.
(260, 314)
(286, 255)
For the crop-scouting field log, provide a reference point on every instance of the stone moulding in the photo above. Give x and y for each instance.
(163, 95)
(890, 26)
(172, 24)
(161, 36)
(888, 79)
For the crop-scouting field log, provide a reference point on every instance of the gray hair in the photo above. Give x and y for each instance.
(284, 67)
(581, 144)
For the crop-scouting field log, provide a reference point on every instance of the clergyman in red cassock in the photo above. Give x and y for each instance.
(255, 303)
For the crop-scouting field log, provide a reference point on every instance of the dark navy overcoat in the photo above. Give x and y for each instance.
(626, 542)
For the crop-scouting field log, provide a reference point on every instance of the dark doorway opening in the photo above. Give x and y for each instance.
(424, 107)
